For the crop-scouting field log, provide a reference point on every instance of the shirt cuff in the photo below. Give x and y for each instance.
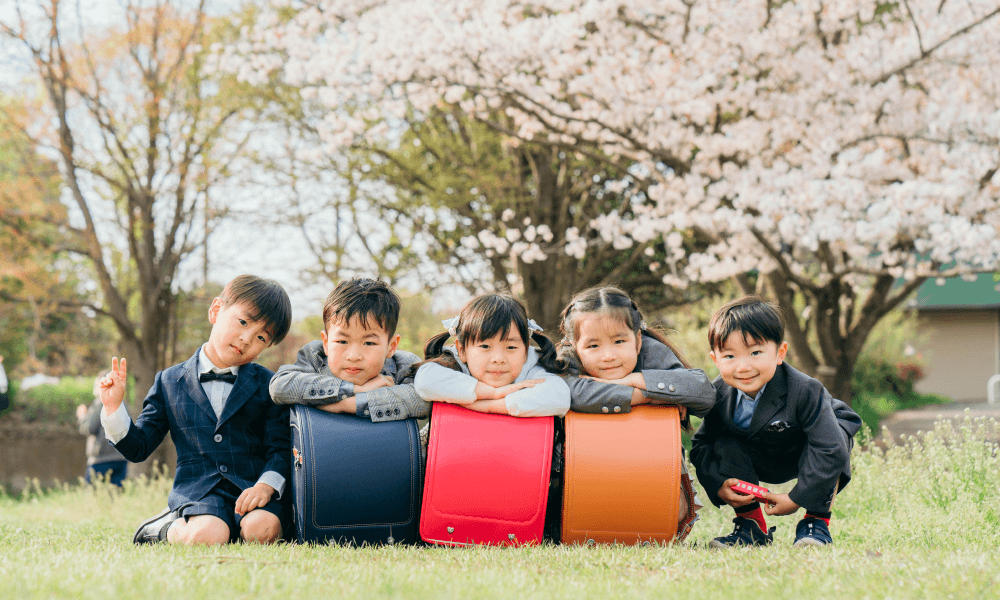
(273, 479)
(116, 424)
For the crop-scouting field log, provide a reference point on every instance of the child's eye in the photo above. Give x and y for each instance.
(591, 346)
(262, 338)
(370, 343)
(243, 322)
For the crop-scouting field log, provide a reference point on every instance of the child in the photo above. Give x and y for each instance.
(102, 459)
(617, 362)
(772, 423)
(492, 367)
(355, 368)
(233, 443)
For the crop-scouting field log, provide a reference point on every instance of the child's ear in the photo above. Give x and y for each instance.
(638, 342)
(213, 309)
(461, 350)
(714, 357)
(393, 344)
(782, 350)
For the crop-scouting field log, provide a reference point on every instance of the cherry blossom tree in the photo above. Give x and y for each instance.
(831, 154)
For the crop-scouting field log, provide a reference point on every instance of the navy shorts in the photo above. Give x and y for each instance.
(221, 502)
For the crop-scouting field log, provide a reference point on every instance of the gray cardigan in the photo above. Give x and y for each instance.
(667, 382)
(310, 382)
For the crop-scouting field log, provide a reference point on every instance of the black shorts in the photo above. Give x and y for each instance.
(221, 502)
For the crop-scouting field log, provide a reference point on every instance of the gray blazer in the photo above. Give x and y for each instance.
(798, 430)
(310, 382)
(667, 382)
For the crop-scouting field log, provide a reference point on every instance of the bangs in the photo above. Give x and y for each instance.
(490, 315)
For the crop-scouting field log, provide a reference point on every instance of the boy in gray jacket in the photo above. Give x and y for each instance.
(355, 367)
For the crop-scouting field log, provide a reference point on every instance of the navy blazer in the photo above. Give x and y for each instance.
(797, 430)
(250, 437)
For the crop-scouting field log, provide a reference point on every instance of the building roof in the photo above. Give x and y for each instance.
(955, 292)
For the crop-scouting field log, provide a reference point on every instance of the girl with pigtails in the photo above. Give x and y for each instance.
(492, 366)
(615, 361)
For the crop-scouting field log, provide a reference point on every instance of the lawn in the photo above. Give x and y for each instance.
(919, 520)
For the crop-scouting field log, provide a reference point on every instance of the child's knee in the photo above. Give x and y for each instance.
(260, 526)
(201, 529)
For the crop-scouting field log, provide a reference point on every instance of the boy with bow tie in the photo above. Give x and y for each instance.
(232, 442)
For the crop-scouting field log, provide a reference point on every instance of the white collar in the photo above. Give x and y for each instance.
(205, 364)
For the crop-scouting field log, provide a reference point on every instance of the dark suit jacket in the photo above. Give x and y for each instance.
(797, 430)
(250, 437)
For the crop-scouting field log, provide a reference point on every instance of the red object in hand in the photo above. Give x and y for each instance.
(745, 487)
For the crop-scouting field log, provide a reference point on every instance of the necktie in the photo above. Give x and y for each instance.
(228, 377)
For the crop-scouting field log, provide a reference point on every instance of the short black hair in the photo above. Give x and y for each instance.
(364, 298)
(752, 316)
(268, 298)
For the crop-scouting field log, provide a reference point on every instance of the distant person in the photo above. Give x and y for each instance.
(102, 458)
(4, 399)
(771, 423)
(233, 443)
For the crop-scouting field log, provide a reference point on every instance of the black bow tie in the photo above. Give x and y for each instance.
(228, 377)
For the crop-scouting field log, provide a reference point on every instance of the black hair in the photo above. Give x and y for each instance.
(364, 298)
(614, 303)
(268, 299)
(753, 317)
(484, 317)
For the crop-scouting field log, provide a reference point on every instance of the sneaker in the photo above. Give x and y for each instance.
(155, 529)
(812, 532)
(746, 533)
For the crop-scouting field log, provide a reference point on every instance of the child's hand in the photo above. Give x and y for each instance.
(254, 497)
(488, 392)
(374, 383)
(731, 496)
(496, 407)
(347, 406)
(779, 504)
(81, 411)
(112, 387)
(635, 380)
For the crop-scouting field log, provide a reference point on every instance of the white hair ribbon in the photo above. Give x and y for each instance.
(451, 325)
(532, 326)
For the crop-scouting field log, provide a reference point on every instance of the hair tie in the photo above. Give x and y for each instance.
(452, 326)
(532, 326)
(642, 325)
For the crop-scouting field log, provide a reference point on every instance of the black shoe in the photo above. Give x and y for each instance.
(812, 532)
(746, 533)
(155, 530)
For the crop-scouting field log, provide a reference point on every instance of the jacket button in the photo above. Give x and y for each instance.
(378, 414)
(604, 409)
(618, 409)
(395, 411)
(312, 392)
(217, 438)
(659, 386)
(223, 468)
(672, 388)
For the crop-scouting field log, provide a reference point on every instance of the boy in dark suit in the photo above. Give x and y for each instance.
(770, 422)
(355, 368)
(232, 442)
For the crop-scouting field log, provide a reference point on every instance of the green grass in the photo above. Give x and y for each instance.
(919, 520)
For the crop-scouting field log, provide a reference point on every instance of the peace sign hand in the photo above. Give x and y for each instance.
(112, 387)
